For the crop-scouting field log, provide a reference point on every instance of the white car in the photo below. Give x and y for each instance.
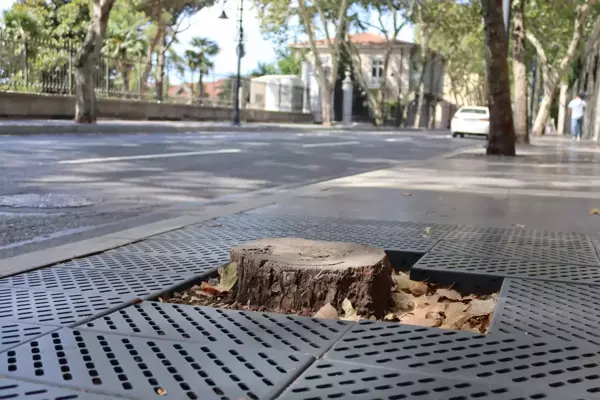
(471, 121)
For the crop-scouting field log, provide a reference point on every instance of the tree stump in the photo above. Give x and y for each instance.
(298, 275)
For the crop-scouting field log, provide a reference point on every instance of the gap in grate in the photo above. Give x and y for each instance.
(14, 389)
(543, 363)
(207, 324)
(142, 368)
(53, 308)
(448, 268)
(107, 283)
(548, 253)
(150, 263)
(540, 309)
(339, 380)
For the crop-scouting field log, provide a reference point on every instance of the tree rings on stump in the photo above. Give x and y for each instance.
(292, 275)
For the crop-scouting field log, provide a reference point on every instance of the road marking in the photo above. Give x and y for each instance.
(331, 144)
(149, 156)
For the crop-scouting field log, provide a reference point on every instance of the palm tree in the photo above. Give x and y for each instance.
(198, 58)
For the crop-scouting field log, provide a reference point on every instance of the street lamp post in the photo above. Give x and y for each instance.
(240, 53)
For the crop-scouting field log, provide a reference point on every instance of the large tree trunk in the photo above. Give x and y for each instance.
(85, 62)
(562, 107)
(520, 73)
(160, 72)
(298, 275)
(326, 104)
(160, 30)
(200, 88)
(502, 131)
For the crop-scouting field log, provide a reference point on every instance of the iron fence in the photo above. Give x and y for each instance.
(41, 66)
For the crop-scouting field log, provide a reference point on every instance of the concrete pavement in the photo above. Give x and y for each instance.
(133, 179)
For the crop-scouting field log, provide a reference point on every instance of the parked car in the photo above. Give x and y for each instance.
(470, 121)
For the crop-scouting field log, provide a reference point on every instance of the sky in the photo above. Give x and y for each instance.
(206, 23)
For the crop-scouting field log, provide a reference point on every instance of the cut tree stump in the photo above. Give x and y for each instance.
(299, 275)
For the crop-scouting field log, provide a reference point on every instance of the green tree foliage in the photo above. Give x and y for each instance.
(199, 58)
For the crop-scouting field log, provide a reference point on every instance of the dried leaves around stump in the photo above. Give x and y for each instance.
(418, 303)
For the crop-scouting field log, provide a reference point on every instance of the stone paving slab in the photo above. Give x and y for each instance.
(212, 325)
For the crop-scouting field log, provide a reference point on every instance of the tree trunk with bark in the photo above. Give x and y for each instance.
(421, 93)
(501, 139)
(520, 74)
(562, 107)
(160, 69)
(160, 32)
(86, 60)
(200, 88)
(298, 275)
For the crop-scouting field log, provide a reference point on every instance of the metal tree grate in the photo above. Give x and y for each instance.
(545, 363)
(209, 249)
(243, 328)
(144, 368)
(548, 253)
(123, 283)
(467, 233)
(540, 309)
(222, 234)
(447, 263)
(340, 380)
(155, 263)
(15, 333)
(14, 389)
(52, 308)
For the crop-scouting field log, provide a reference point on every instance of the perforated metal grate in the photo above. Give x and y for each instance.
(222, 234)
(540, 309)
(340, 380)
(508, 268)
(52, 308)
(14, 333)
(151, 263)
(492, 234)
(143, 368)
(210, 249)
(548, 253)
(252, 329)
(543, 363)
(14, 389)
(123, 283)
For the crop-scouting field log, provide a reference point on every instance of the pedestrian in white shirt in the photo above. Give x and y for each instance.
(576, 110)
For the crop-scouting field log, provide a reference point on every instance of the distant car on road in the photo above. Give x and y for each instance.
(471, 121)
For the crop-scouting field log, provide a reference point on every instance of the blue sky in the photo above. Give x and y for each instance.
(207, 24)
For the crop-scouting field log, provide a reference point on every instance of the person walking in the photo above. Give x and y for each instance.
(576, 111)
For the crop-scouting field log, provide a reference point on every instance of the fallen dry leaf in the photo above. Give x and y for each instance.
(137, 300)
(420, 317)
(160, 391)
(406, 194)
(427, 231)
(327, 312)
(349, 311)
(405, 284)
(228, 279)
(449, 294)
(402, 302)
(390, 317)
(595, 211)
(480, 308)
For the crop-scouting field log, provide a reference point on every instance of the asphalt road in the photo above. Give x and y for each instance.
(129, 179)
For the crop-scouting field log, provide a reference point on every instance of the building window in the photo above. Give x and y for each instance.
(376, 69)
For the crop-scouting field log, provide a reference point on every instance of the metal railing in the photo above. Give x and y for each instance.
(40, 66)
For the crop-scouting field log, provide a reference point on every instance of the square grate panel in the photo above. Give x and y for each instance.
(222, 234)
(14, 333)
(543, 363)
(151, 263)
(52, 308)
(14, 389)
(548, 253)
(339, 380)
(109, 283)
(209, 249)
(143, 368)
(540, 309)
(435, 262)
(492, 234)
(243, 328)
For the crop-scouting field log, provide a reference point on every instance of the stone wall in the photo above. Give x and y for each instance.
(26, 105)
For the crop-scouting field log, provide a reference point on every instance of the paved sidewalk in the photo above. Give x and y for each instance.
(79, 329)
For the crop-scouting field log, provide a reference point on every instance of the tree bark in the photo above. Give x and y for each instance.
(155, 41)
(520, 74)
(298, 275)
(160, 69)
(85, 62)
(326, 106)
(200, 88)
(562, 107)
(421, 94)
(501, 139)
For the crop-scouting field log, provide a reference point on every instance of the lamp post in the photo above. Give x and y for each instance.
(240, 53)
